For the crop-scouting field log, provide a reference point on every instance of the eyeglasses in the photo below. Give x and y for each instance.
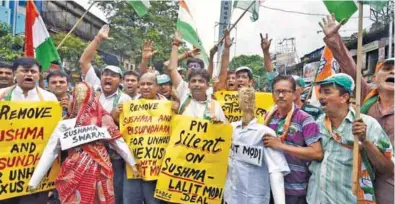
(284, 92)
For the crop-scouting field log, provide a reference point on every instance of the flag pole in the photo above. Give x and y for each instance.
(75, 26)
(355, 162)
(237, 21)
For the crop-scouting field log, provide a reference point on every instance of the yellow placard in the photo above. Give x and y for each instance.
(145, 126)
(24, 132)
(229, 101)
(196, 161)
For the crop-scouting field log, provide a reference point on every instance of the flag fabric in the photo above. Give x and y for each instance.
(328, 67)
(341, 9)
(187, 27)
(254, 9)
(140, 6)
(38, 42)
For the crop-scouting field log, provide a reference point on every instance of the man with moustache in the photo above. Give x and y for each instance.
(58, 85)
(378, 102)
(6, 75)
(330, 181)
(27, 73)
(130, 84)
(297, 136)
(111, 96)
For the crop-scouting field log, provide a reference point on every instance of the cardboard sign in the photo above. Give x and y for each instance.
(196, 161)
(76, 136)
(145, 126)
(24, 132)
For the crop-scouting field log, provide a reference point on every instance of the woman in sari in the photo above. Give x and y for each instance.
(86, 175)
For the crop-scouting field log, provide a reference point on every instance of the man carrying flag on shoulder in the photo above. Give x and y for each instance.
(378, 103)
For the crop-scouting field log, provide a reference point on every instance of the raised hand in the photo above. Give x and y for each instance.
(213, 50)
(103, 33)
(265, 43)
(329, 25)
(148, 49)
(177, 38)
(228, 42)
(194, 52)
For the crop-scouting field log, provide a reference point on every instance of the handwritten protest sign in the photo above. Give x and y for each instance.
(229, 101)
(82, 135)
(145, 126)
(247, 153)
(196, 161)
(25, 130)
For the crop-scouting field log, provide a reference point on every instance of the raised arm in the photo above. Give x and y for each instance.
(174, 75)
(147, 53)
(224, 62)
(90, 51)
(339, 50)
(267, 60)
(188, 54)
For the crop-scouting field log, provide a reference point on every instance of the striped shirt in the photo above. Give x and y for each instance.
(303, 131)
(330, 181)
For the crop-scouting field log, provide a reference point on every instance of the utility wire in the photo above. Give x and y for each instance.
(302, 13)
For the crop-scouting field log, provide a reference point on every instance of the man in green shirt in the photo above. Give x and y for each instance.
(330, 181)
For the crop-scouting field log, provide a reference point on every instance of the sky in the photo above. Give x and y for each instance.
(279, 25)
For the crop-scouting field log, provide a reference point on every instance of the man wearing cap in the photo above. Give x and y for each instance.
(27, 73)
(310, 109)
(111, 96)
(378, 102)
(331, 179)
(195, 102)
(6, 75)
(297, 135)
(244, 77)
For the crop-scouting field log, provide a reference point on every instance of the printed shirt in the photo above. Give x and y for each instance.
(197, 108)
(330, 181)
(384, 185)
(107, 102)
(303, 132)
(32, 95)
(247, 183)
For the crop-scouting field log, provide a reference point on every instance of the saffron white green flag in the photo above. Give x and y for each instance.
(38, 42)
(251, 5)
(140, 6)
(187, 27)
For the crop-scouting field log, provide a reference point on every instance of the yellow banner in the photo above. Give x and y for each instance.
(145, 126)
(196, 161)
(229, 101)
(25, 130)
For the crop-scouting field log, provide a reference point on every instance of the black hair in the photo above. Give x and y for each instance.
(196, 60)
(199, 72)
(286, 78)
(248, 72)
(26, 62)
(231, 72)
(57, 73)
(131, 72)
(5, 65)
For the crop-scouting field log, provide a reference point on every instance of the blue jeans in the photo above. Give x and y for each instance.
(135, 191)
(118, 166)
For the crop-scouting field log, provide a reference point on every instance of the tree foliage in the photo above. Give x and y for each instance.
(11, 47)
(129, 31)
(71, 51)
(255, 63)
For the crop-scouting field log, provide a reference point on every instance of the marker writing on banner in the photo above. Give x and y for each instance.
(7, 113)
(22, 134)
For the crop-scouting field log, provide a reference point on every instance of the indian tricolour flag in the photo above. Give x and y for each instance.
(187, 27)
(38, 42)
(140, 6)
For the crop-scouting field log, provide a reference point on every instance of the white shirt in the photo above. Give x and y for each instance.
(247, 183)
(106, 101)
(197, 108)
(32, 95)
